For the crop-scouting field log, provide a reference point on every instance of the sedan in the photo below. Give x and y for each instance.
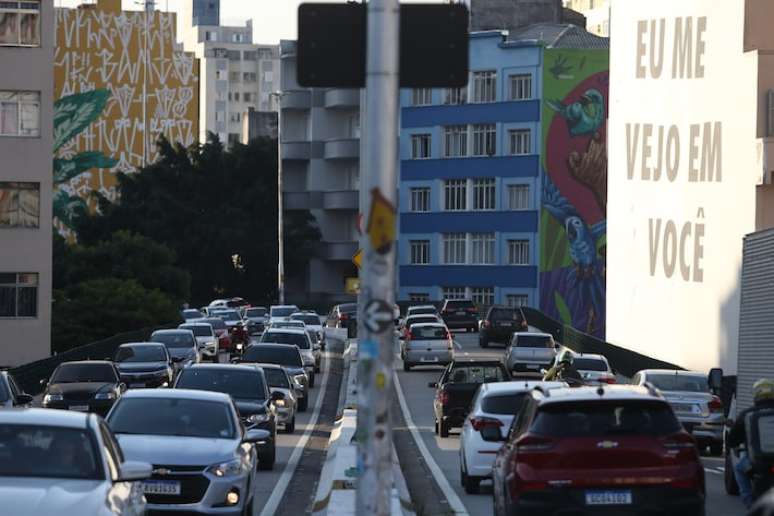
(427, 344)
(203, 460)
(205, 338)
(286, 356)
(89, 386)
(144, 364)
(11, 394)
(313, 323)
(181, 345)
(279, 381)
(54, 462)
(298, 338)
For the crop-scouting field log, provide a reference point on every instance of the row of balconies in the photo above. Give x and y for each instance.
(345, 148)
(333, 99)
(332, 200)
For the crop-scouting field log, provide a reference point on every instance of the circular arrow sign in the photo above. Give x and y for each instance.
(377, 316)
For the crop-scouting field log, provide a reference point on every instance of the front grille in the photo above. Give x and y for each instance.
(193, 484)
(78, 396)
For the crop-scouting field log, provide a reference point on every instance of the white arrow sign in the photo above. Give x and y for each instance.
(377, 316)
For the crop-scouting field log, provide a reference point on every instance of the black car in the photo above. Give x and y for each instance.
(343, 316)
(285, 355)
(10, 393)
(460, 313)
(499, 325)
(88, 386)
(144, 364)
(248, 388)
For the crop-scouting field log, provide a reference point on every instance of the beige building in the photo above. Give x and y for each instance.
(597, 13)
(26, 103)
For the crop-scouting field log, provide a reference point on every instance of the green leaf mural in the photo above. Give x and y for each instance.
(555, 251)
(563, 309)
(66, 169)
(66, 206)
(74, 113)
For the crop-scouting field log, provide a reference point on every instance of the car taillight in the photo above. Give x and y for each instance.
(471, 310)
(608, 379)
(715, 405)
(486, 324)
(343, 317)
(533, 444)
(409, 335)
(481, 422)
(443, 397)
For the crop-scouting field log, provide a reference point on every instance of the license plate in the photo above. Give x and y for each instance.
(608, 498)
(137, 385)
(80, 408)
(429, 359)
(504, 324)
(161, 487)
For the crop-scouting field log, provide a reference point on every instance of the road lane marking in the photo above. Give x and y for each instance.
(455, 503)
(716, 472)
(459, 346)
(287, 474)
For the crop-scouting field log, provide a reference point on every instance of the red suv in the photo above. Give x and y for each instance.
(597, 451)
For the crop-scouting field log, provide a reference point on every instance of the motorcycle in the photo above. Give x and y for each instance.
(760, 448)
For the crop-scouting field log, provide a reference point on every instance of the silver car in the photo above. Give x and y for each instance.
(529, 352)
(699, 411)
(56, 462)
(205, 338)
(279, 380)
(426, 344)
(203, 459)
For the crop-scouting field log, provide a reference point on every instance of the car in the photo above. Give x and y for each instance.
(312, 322)
(57, 462)
(279, 381)
(300, 339)
(457, 386)
(688, 392)
(460, 314)
(343, 316)
(204, 460)
(495, 405)
(499, 324)
(285, 355)
(411, 320)
(529, 352)
(84, 386)
(191, 313)
(294, 325)
(205, 339)
(257, 318)
(237, 327)
(596, 450)
(221, 332)
(181, 345)
(281, 312)
(248, 388)
(234, 302)
(144, 364)
(421, 310)
(11, 395)
(427, 344)
(594, 369)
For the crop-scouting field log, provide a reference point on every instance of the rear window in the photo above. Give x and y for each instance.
(476, 374)
(276, 378)
(429, 333)
(675, 382)
(506, 404)
(459, 303)
(255, 312)
(589, 364)
(280, 337)
(273, 355)
(198, 331)
(217, 324)
(504, 314)
(311, 320)
(348, 308)
(421, 311)
(602, 418)
(534, 341)
(421, 320)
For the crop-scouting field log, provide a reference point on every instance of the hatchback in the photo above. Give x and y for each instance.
(427, 344)
(460, 313)
(499, 323)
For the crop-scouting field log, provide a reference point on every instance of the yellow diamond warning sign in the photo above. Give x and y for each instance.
(357, 259)
(381, 223)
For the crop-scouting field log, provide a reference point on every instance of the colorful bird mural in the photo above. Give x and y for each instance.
(585, 116)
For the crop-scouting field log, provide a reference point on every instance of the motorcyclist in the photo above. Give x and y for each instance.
(763, 398)
(564, 370)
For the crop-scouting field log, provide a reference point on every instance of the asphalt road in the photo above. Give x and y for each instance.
(445, 451)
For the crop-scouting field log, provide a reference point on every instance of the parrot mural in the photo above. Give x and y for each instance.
(584, 117)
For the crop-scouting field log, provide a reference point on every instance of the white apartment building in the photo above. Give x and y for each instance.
(597, 13)
(26, 143)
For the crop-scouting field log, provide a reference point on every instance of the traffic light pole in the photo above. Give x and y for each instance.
(376, 338)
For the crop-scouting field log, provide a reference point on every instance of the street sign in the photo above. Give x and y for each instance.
(331, 50)
(378, 316)
(357, 259)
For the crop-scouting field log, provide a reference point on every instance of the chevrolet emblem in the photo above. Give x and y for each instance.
(607, 445)
(161, 471)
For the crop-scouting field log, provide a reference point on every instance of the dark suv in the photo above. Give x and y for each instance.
(460, 313)
(499, 325)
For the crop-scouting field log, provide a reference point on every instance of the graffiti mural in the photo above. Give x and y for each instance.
(574, 190)
(101, 114)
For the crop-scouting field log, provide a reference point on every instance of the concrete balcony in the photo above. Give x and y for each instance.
(348, 148)
(341, 98)
(341, 200)
(297, 99)
(338, 251)
(296, 150)
(295, 200)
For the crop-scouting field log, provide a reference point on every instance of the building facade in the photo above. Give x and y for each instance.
(26, 139)
(597, 13)
(120, 82)
(320, 137)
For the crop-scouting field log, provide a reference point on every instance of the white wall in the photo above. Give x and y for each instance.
(687, 314)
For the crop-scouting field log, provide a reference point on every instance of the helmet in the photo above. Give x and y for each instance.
(763, 389)
(566, 359)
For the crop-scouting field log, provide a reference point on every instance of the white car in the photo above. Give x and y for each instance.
(593, 368)
(495, 405)
(421, 310)
(281, 312)
(205, 338)
(60, 462)
(427, 344)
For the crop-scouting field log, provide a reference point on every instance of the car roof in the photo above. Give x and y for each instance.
(45, 417)
(220, 367)
(83, 362)
(176, 330)
(474, 361)
(294, 331)
(611, 392)
(672, 372)
(308, 314)
(593, 356)
(193, 324)
(417, 316)
(284, 306)
(493, 388)
(416, 307)
(180, 394)
(532, 334)
(134, 344)
(270, 345)
(429, 325)
(264, 365)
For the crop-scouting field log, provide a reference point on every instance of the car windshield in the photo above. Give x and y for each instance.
(91, 373)
(505, 314)
(421, 320)
(173, 416)
(217, 324)
(281, 337)
(506, 404)
(476, 374)
(311, 320)
(421, 311)
(140, 354)
(348, 308)
(589, 364)
(276, 377)
(229, 315)
(534, 341)
(429, 333)
(283, 311)
(239, 384)
(255, 312)
(273, 355)
(174, 340)
(48, 452)
(192, 314)
(676, 382)
(600, 418)
(198, 330)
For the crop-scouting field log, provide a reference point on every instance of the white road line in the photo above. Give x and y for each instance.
(458, 345)
(455, 503)
(282, 484)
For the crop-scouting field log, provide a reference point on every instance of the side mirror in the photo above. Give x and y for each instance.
(134, 470)
(256, 437)
(122, 387)
(277, 395)
(433, 385)
(492, 434)
(715, 379)
(24, 399)
(43, 382)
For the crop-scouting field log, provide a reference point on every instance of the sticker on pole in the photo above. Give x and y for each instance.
(377, 316)
(381, 223)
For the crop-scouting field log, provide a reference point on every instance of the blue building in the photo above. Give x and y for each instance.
(470, 180)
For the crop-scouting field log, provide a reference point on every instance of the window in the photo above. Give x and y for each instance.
(516, 300)
(235, 117)
(234, 55)
(19, 113)
(453, 292)
(233, 138)
(18, 294)
(454, 248)
(484, 86)
(210, 36)
(455, 195)
(237, 38)
(421, 96)
(520, 141)
(19, 205)
(419, 297)
(455, 96)
(518, 252)
(236, 96)
(484, 194)
(249, 76)
(234, 76)
(221, 75)
(482, 296)
(420, 252)
(420, 199)
(220, 116)
(518, 197)
(521, 87)
(20, 23)
(420, 146)
(250, 55)
(248, 97)
(482, 248)
(484, 137)
(455, 139)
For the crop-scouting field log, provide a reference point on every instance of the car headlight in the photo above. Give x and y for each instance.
(48, 398)
(105, 396)
(229, 469)
(257, 418)
(279, 403)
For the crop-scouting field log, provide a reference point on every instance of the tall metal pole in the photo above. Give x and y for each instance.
(280, 238)
(376, 338)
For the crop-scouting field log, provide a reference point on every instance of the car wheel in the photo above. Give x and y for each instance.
(311, 380)
(483, 342)
(443, 428)
(266, 461)
(435, 430)
(302, 404)
(471, 484)
(463, 473)
(290, 426)
(729, 480)
(716, 449)
(316, 369)
(406, 366)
